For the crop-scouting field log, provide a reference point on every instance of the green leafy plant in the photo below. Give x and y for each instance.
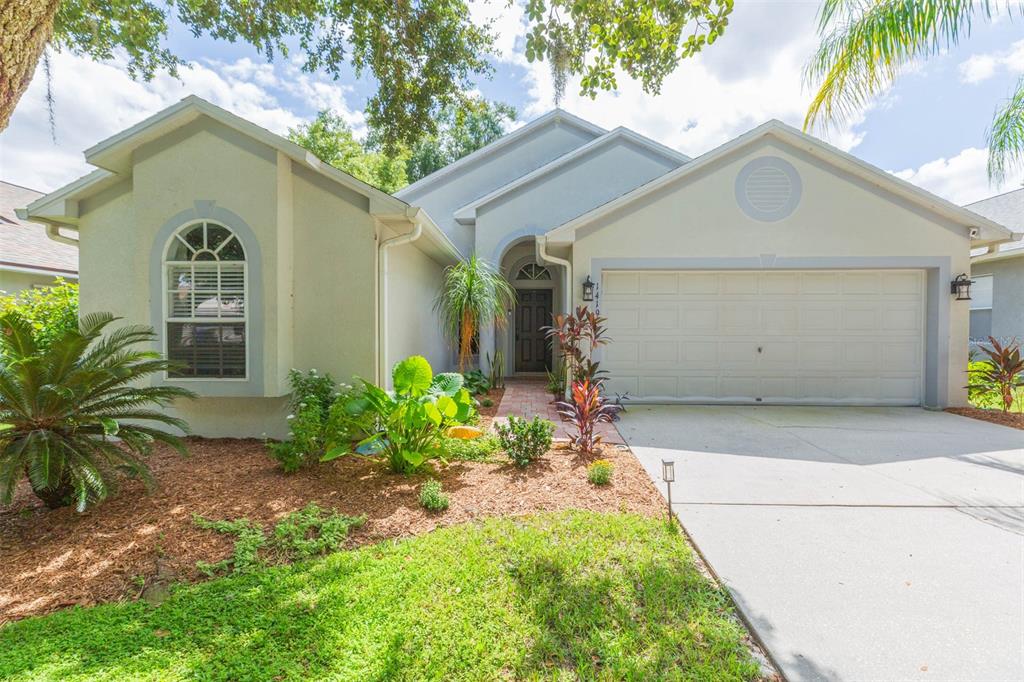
(312, 398)
(410, 420)
(470, 449)
(303, 534)
(585, 409)
(599, 472)
(63, 406)
(1000, 375)
(432, 497)
(486, 402)
(556, 380)
(524, 441)
(49, 311)
(474, 294)
(496, 375)
(475, 382)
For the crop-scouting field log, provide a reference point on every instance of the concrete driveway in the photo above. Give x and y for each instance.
(861, 543)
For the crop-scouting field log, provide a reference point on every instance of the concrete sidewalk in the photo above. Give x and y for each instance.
(861, 543)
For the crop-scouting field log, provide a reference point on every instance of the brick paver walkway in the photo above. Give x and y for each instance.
(529, 398)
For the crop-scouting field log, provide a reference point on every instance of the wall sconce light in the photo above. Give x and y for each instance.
(961, 287)
(588, 289)
(668, 474)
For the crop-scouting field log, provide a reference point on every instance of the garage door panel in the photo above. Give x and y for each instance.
(827, 337)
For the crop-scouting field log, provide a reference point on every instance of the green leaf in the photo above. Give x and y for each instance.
(334, 452)
(412, 376)
(414, 458)
(447, 383)
(447, 407)
(433, 414)
(110, 426)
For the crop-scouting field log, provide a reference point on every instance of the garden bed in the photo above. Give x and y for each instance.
(1012, 419)
(55, 559)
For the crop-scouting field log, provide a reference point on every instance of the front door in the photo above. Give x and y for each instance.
(533, 311)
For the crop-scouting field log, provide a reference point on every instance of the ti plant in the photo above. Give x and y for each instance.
(1001, 373)
(579, 335)
(78, 409)
(585, 410)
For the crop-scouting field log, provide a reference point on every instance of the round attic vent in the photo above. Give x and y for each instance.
(768, 188)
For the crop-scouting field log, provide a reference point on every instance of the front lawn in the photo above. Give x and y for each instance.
(570, 595)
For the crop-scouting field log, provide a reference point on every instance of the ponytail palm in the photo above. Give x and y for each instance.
(473, 294)
(865, 44)
(75, 411)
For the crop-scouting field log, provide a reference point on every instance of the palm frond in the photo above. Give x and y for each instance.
(473, 294)
(1006, 136)
(865, 45)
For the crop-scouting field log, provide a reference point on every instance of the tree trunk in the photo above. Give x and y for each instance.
(25, 29)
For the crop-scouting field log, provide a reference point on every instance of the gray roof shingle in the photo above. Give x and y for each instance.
(24, 244)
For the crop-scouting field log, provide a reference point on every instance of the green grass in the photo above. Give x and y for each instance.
(566, 596)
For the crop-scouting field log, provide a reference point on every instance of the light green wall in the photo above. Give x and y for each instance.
(325, 322)
(413, 328)
(13, 282)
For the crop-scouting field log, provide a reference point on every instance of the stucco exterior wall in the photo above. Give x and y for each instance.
(13, 282)
(839, 217)
(1007, 314)
(414, 280)
(556, 197)
(440, 200)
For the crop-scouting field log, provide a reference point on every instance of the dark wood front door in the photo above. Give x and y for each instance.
(533, 311)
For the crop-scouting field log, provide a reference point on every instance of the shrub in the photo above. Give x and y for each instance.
(410, 421)
(999, 377)
(305, 442)
(525, 441)
(470, 450)
(585, 410)
(50, 311)
(600, 472)
(63, 404)
(475, 382)
(312, 385)
(432, 497)
(303, 534)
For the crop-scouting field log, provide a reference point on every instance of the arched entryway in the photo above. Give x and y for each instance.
(538, 288)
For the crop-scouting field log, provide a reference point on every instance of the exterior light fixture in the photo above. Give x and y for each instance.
(668, 474)
(588, 289)
(961, 287)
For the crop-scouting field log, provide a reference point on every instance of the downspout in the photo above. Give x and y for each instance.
(53, 232)
(382, 305)
(542, 253)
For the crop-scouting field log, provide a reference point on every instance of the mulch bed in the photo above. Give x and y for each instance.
(1012, 419)
(55, 559)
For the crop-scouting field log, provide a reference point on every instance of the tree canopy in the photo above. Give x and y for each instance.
(424, 56)
(866, 45)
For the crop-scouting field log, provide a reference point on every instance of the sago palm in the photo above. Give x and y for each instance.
(74, 412)
(865, 44)
(473, 294)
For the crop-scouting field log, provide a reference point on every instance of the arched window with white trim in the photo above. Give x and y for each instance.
(205, 308)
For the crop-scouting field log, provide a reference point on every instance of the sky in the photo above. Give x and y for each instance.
(928, 128)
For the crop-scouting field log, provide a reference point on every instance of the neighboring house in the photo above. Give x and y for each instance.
(774, 269)
(997, 296)
(27, 257)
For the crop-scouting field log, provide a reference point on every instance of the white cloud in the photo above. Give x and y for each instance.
(981, 67)
(97, 99)
(961, 179)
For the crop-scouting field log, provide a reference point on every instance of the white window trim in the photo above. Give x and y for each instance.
(166, 318)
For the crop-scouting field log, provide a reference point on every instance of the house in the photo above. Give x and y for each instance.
(774, 269)
(27, 257)
(997, 296)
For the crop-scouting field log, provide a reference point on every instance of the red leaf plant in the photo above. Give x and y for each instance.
(1002, 374)
(584, 411)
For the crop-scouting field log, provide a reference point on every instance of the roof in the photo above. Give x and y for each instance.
(24, 245)
(467, 214)
(553, 117)
(113, 157)
(1006, 209)
(988, 231)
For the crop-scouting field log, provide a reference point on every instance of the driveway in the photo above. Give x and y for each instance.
(860, 543)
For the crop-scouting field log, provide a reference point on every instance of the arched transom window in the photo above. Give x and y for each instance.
(206, 311)
(533, 272)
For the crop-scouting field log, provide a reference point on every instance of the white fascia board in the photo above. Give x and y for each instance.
(999, 254)
(35, 270)
(553, 116)
(466, 215)
(61, 205)
(989, 231)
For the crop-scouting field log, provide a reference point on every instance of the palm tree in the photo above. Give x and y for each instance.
(75, 411)
(866, 44)
(473, 294)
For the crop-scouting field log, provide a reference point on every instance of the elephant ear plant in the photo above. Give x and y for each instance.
(75, 411)
(411, 419)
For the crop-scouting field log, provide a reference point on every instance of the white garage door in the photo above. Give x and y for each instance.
(812, 337)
